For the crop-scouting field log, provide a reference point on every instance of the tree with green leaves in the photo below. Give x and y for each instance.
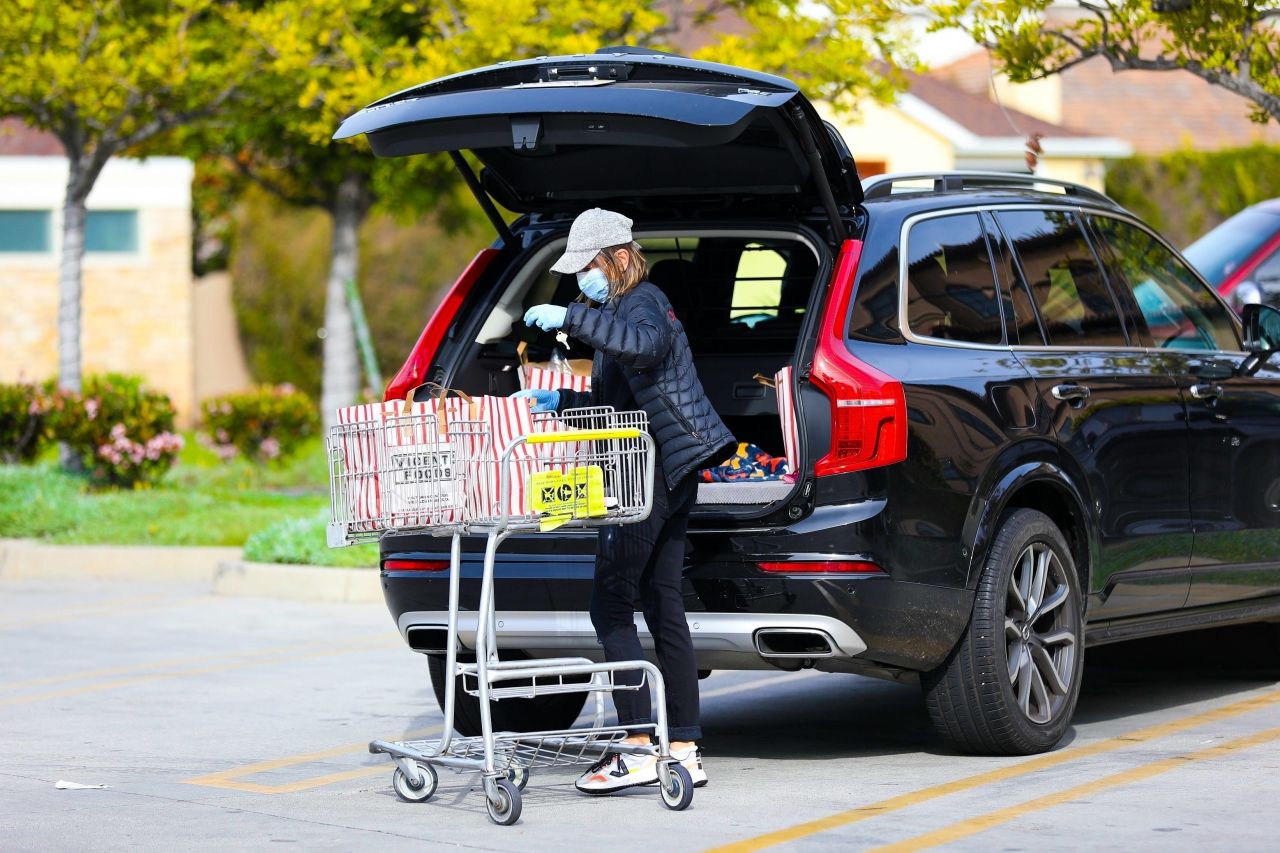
(329, 58)
(1234, 44)
(106, 77)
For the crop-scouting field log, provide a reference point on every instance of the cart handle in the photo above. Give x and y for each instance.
(581, 435)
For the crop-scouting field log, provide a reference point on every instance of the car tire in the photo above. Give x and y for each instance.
(542, 713)
(980, 701)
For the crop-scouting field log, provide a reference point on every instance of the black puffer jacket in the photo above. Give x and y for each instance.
(643, 360)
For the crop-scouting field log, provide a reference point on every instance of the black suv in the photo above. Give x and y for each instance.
(1025, 424)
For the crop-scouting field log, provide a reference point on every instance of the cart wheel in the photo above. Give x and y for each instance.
(407, 792)
(504, 806)
(519, 775)
(677, 793)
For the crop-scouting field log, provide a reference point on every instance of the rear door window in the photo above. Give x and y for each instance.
(1061, 274)
(1178, 310)
(952, 292)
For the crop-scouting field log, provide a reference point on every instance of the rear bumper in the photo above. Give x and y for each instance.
(720, 640)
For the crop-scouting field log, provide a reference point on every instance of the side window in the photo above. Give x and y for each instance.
(951, 286)
(1062, 276)
(1180, 312)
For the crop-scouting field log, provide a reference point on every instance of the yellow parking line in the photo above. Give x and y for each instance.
(229, 779)
(168, 662)
(981, 823)
(1052, 759)
(182, 673)
(140, 603)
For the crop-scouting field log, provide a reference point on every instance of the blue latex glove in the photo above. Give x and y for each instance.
(543, 401)
(545, 317)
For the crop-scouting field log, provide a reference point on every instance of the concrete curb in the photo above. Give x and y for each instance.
(222, 568)
(298, 583)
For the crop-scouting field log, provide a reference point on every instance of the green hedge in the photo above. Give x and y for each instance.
(1185, 193)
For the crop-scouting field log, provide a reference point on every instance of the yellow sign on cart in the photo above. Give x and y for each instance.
(564, 496)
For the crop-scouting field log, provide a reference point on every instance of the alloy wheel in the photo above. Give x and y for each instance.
(1040, 627)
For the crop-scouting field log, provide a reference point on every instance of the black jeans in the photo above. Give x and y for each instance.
(641, 564)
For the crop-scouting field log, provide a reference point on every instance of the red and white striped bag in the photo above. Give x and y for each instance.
(549, 379)
(508, 418)
(392, 458)
(573, 373)
(787, 414)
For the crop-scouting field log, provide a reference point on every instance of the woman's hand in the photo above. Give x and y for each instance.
(543, 401)
(545, 317)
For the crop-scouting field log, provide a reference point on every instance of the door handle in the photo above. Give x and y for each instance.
(1070, 391)
(1206, 391)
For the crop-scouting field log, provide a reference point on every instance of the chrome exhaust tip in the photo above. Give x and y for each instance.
(794, 643)
(428, 639)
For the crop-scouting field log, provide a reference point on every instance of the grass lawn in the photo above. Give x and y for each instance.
(276, 512)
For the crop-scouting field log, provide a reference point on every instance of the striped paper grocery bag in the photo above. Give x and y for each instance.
(550, 379)
(787, 414)
(366, 470)
(508, 419)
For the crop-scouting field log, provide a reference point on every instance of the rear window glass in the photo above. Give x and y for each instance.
(951, 286)
(1060, 272)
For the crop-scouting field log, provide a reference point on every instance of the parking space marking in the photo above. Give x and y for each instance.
(981, 823)
(170, 662)
(147, 602)
(1053, 759)
(200, 670)
(232, 779)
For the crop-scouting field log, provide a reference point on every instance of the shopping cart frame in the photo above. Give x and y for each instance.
(505, 759)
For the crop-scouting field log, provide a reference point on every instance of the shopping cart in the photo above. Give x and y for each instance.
(580, 468)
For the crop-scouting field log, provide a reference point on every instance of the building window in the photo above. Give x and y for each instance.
(26, 231)
(111, 231)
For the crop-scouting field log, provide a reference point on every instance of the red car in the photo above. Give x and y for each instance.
(1241, 257)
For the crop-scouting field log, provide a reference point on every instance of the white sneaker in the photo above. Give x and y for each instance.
(617, 772)
(691, 758)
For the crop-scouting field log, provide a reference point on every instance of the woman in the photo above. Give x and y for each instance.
(642, 361)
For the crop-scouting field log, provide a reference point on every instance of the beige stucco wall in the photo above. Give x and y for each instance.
(1040, 98)
(883, 133)
(219, 358)
(137, 308)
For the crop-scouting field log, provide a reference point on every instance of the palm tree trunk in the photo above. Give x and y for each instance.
(341, 379)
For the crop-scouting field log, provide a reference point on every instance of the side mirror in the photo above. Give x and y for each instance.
(1261, 328)
(1261, 337)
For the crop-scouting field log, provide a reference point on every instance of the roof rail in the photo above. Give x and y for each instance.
(881, 186)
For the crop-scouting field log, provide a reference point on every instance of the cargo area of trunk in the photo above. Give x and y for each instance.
(743, 296)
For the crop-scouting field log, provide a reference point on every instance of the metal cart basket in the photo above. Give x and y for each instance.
(424, 473)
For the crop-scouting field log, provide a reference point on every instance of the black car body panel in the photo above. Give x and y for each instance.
(562, 131)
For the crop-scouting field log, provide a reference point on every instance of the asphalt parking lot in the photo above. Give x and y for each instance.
(224, 723)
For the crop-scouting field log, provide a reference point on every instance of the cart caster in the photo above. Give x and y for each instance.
(677, 791)
(519, 775)
(407, 792)
(504, 802)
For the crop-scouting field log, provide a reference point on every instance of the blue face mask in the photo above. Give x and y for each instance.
(594, 285)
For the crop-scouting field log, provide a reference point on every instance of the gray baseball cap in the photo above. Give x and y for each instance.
(593, 230)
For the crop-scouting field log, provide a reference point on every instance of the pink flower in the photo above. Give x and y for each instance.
(118, 432)
(225, 452)
(222, 436)
(285, 388)
(269, 448)
(91, 407)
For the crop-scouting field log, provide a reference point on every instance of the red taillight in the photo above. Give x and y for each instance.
(414, 371)
(868, 409)
(822, 567)
(415, 565)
